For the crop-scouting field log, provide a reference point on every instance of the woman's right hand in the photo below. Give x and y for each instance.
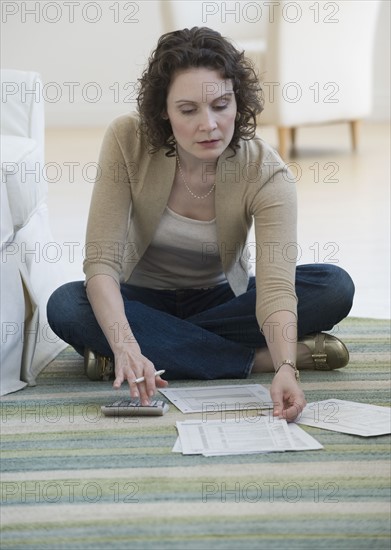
(130, 364)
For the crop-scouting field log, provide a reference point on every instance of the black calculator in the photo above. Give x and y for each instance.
(133, 407)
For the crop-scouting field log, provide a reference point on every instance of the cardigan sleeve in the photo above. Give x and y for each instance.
(109, 211)
(274, 210)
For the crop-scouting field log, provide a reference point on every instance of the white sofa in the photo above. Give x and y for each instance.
(29, 273)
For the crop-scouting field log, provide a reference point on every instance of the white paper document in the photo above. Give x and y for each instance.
(347, 417)
(214, 399)
(216, 437)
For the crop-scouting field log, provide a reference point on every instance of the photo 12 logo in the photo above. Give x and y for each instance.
(254, 12)
(269, 491)
(68, 491)
(69, 92)
(70, 12)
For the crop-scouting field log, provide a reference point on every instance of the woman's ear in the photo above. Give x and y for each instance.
(164, 115)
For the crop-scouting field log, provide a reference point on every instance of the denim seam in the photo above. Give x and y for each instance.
(249, 365)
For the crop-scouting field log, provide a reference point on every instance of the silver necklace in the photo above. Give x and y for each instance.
(188, 188)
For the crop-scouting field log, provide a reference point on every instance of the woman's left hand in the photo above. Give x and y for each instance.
(287, 395)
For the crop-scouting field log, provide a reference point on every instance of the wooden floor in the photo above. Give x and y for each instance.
(344, 201)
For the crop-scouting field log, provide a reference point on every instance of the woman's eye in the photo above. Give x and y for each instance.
(216, 108)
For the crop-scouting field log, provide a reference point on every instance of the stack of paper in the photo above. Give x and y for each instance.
(228, 425)
(347, 417)
(265, 435)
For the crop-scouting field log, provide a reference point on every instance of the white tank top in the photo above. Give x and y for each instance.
(183, 254)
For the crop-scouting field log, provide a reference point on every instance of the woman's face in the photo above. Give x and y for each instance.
(201, 107)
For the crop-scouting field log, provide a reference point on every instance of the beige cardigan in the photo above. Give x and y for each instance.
(131, 192)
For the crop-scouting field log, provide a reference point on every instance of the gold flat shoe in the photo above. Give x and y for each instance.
(328, 352)
(98, 367)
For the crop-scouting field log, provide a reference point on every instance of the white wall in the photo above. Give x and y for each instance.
(95, 55)
(382, 64)
(97, 51)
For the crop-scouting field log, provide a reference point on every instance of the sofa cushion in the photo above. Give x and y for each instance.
(6, 226)
(23, 174)
(22, 104)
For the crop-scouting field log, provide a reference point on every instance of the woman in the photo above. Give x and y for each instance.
(167, 263)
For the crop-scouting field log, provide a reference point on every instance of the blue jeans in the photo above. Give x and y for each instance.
(200, 333)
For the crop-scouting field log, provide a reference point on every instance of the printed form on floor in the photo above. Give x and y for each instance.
(347, 417)
(262, 435)
(219, 398)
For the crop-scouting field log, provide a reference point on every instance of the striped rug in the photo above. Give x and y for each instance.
(74, 479)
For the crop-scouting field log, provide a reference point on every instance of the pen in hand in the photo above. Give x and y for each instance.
(142, 378)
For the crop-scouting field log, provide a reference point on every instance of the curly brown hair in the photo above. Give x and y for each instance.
(195, 47)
